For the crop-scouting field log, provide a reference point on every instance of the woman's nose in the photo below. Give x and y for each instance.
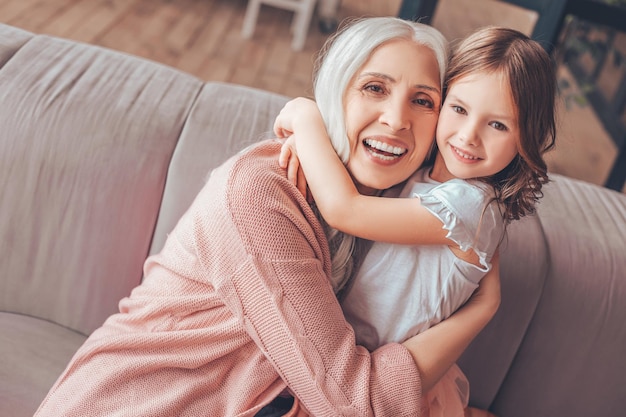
(395, 115)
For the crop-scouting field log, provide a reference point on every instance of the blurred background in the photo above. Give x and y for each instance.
(204, 38)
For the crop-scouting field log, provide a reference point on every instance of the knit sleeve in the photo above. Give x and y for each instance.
(283, 297)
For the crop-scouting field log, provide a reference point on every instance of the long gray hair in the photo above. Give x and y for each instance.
(338, 62)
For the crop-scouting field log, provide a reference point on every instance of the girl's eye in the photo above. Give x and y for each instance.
(458, 109)
(498, 126)
(424, 102)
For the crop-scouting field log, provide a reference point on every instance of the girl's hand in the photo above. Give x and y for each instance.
(294, 111)
(298, 110)
(288, 159)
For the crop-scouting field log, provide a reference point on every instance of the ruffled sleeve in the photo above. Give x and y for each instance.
(466, 209)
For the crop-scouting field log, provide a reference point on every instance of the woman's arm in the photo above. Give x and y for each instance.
(280, 292)
(393, 220)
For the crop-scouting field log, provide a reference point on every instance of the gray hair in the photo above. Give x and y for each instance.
(348, 50)
(339, 60)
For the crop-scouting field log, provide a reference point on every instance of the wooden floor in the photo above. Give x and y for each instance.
(203, 37)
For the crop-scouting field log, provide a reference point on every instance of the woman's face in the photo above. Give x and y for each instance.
(391, 110)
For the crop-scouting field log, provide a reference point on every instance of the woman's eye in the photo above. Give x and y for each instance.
(374, 88)
(424, 102)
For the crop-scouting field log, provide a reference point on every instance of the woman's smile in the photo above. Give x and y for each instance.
(380, 149)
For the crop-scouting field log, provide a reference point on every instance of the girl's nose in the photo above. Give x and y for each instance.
(468, 134)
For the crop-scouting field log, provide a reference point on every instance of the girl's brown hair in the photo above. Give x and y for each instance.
(532, 78)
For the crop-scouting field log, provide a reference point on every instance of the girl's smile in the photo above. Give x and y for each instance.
(463, 156)
(478, 131)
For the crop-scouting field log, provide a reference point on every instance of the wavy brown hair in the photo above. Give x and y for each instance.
(531, 74)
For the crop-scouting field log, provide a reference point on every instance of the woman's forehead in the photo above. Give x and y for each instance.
(403, 60)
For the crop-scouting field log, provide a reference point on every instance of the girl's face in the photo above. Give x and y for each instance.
(391, 110)
(478, 131)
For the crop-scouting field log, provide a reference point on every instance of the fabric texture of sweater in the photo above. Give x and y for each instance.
(236, 308)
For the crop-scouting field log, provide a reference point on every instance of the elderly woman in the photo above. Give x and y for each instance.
(239, 308)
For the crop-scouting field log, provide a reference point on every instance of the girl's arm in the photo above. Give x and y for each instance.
(394, 220)
(439, 347)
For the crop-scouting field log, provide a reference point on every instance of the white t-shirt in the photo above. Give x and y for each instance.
(402, 290)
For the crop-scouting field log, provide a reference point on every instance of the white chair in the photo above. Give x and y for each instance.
(303, 11)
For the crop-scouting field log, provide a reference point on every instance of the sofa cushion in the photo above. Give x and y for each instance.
(33, 353)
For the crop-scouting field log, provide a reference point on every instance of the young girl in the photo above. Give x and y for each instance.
(495, 124)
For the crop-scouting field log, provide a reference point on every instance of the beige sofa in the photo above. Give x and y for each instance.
(101, 152)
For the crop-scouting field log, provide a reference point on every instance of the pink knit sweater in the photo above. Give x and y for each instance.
(236, 308)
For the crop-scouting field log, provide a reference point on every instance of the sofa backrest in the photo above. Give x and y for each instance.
(224, 119)
(96, 146)
(86, 140)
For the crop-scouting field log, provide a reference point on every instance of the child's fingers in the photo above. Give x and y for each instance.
(301, 182)
(285, 154)
(280, 126)
(282, 133)
(292, 170)
(278, 130)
